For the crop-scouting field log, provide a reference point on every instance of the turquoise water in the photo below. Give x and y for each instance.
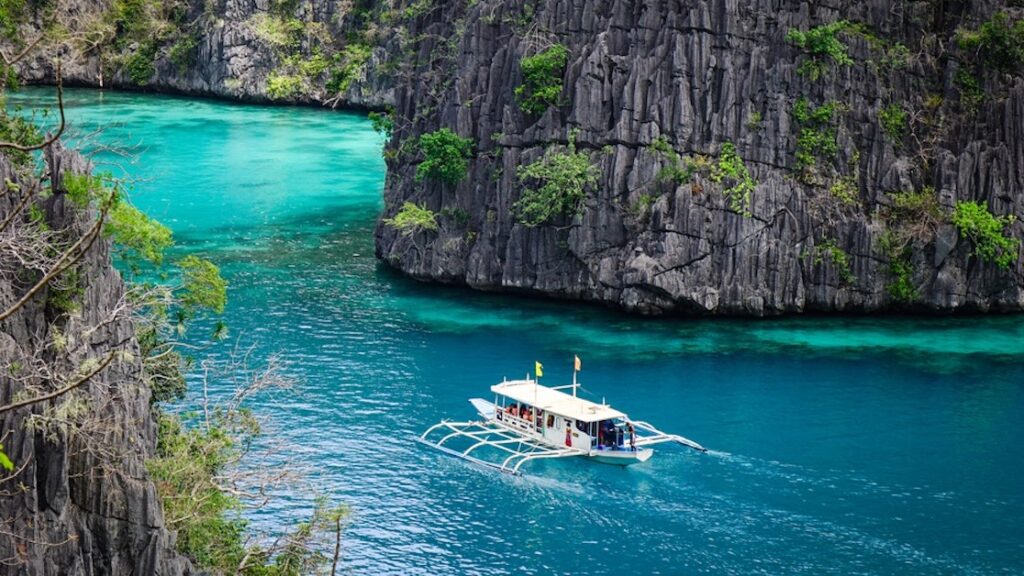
(838, 446)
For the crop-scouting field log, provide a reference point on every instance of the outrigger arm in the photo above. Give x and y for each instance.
(657, 437)
(520, 449)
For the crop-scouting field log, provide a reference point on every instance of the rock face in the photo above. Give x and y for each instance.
(79, 501)
(234, 55)
(697, 75)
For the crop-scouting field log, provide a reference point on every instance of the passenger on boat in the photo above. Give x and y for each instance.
(529, 416)
(606, 434)
(632, 436)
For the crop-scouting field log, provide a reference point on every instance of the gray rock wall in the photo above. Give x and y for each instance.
(231, 59)
(78, 503)
(698, 74)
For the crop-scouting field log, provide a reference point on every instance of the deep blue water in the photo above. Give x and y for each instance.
(838, 445)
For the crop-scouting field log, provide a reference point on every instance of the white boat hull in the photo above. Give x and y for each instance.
(621, 457)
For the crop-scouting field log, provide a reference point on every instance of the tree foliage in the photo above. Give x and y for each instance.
(446, 156)
(383, 123)
(817, 137)
(731, 168)
(542, 79)
(894, 121)
(412, 218)
(997, 43)
(561, 179)
(136, 235)
(986, 232)
(202, 285)
(822, 44)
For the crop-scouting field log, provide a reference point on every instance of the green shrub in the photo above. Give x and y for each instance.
(985, 231)
(383, 123)
(82, 188)
(894, 121)
(284, 86)
(140, 64)
(277, 31)
(676, 170)
(998, 43)
(412, 218)
(65, 292)
(837, 256)
(822, 44)
(755, 120)
(542, 79)
(352, 61)
(915, 207)
(132, 20)
(897, 249)
(896, 57)
(817, 137)
(901, 286)
(971, 94)
(563, 177)
(642, 207)
(730, 167)
(446, 156)
(183, 52)
(845, 190)
(19, 129)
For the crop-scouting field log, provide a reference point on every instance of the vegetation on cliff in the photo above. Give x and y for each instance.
(445, 156)
(56, 221)
(560, 178)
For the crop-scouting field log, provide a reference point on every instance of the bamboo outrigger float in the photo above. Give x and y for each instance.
(528, 421)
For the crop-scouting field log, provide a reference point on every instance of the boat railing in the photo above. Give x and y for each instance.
(516, 422)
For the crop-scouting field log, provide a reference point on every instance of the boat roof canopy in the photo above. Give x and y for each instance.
(556, 401)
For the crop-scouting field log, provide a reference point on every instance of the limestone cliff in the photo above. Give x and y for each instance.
(650, 83)
(79, 501)
(315, 52)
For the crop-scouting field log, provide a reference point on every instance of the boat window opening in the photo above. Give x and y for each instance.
(581, 426)
(551, 420)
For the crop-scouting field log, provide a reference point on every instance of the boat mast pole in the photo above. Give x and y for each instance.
(574, 380)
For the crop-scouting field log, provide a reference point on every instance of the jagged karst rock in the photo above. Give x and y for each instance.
(74, 509)
(230, 59)
(700, 74)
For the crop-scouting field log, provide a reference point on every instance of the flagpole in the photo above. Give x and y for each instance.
(574, 378)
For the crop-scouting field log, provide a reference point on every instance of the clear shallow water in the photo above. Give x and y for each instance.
(850, 445)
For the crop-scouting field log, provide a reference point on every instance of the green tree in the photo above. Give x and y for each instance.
(542, 79)
(412, 218)
(822, 44)
(446, 156)
(986, 232)
(561, 179)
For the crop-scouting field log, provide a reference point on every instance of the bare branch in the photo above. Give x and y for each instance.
(60, 129)
(337, 544)
(60, 392)
(17, 209)
(66, 260)
(11, 61)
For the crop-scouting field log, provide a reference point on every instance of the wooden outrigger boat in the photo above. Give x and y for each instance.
(528, 421)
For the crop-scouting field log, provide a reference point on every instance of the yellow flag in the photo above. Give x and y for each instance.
(539, 369)
(579, 365)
